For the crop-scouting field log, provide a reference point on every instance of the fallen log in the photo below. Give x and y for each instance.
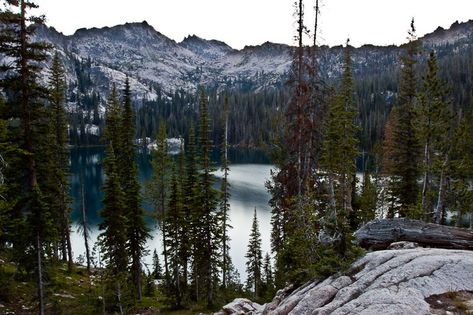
(380, 233)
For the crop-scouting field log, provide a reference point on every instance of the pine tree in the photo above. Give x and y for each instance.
(33, 229)
(113, 237)
(113, 116)
(405, 139)
(157, 189)
(206, 226)
(267, 278)
(435, 124)
(191, 206)
(173, 241)
(184, 250)
(157, 269)
(339, 152)
(293, 186)
(225, 196)
(368, 199)
(60, 156)
(254, 259)
(462, 169)
(137, 231)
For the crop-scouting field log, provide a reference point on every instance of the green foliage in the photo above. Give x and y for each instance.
(174, 225)
(435, 125)
(7, 284)
(368, 199)
(137, 231)
(268, 288)
(339, 149)
(206, 228)
(461, 163)
(157, 272)
(58, 157)
(254, 262)
(331, 263)
(406, 146)
(224, 204)
(157, 189)
(339, 152)
(113, 236)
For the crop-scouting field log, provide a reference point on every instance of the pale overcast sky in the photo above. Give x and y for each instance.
(253, 22)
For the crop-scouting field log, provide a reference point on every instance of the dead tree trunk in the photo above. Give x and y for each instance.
(39, 262)
(441, 195)
(379, 234)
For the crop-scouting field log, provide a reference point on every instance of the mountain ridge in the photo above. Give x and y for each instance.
(455, 25)
(140, 51)
(155, 62)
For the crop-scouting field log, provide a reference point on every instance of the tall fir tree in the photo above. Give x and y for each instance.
(206, 226)
(293, 185)
(157, 189)
(174, 225)
(184, 249)
(113, 236)
(191, 204)
(436, 121)
(33, 229)
(137, 231)
(224, 216)
(339, 153)
(268, 289)
(254, 259)
(60, 158)
(157, 269)
(368, 199)
(406, 146)
(462, 170)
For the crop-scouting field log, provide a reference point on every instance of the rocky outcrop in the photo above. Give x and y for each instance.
(385, 282)
(241, 307)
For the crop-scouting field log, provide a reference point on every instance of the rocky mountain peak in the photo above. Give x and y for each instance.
(206, 48)
(152, 59)
(458, 32)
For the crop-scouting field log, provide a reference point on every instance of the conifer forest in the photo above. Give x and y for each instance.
(354, 137)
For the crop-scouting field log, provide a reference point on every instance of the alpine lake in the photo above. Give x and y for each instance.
(249, 170)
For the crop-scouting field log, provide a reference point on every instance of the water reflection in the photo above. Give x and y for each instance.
(248, 172)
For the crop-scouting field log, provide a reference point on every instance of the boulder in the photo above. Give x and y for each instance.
(398, 281)
(241, 307)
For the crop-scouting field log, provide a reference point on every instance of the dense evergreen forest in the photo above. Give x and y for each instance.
(375, 94)
(418, 163)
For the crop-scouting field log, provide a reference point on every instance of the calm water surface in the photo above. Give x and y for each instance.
(249, 170)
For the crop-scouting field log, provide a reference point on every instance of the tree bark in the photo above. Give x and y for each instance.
(441, 195)
(379, 234)
(39, 262)
(69, 248)
(426, 179)
(119, 297)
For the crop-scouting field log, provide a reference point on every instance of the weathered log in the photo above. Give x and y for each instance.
(379, 234)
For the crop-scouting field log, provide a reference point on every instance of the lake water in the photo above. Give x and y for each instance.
(249, 171)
